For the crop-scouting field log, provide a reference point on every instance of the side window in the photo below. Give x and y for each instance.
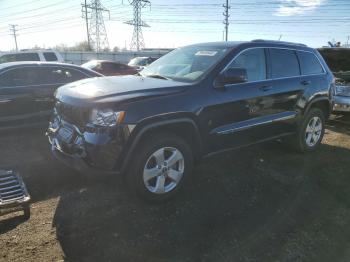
(61, 75)
(50, 56)
(27, 57)
(6, 79)
(7, 58)
(284, 63)
(309, 64)
(254, 61)
(25, 76)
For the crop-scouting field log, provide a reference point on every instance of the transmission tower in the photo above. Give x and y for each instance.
(137, 41)
(226, 16)
(14, 33)
(95, 26)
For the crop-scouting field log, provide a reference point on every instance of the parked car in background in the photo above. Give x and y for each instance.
(109, 68)
(31, 55)
(141, 62)
(191, 103)
(27, 90)
(338, 59)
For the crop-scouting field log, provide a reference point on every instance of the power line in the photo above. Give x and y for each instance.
(14, 33)
(137, 41)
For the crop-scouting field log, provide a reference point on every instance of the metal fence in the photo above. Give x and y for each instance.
(79, 58)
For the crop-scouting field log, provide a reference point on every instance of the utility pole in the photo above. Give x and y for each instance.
(95, 26)
(137, 41)
(226, 16)
(14, 33)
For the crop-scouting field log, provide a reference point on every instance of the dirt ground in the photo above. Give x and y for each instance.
(262, 203)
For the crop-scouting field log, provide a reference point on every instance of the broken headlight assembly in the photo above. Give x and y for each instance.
(342, 90)
(106, 117)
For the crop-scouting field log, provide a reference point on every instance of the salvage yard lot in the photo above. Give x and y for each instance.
(262, 203)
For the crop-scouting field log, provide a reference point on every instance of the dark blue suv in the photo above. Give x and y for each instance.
(193, 102)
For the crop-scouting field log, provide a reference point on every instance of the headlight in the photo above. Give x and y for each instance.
(342, 90)
(106, 117)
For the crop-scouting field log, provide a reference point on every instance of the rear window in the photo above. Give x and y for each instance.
(284, 63)
(309, 64)
(19, 57)
(50, 56)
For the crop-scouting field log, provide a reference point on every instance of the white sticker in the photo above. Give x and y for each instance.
(206, 53)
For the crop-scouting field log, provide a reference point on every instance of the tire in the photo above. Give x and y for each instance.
(26, 211)
(308, 139)
(151, 177)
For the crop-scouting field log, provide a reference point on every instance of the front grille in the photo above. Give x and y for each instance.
(75, 115)
(11, 187)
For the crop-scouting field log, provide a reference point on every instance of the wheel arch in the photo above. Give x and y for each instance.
(184, 127)
(322, 103)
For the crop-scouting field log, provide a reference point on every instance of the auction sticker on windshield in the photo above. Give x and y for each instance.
(206, 53)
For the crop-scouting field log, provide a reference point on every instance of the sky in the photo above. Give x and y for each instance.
(174, 23)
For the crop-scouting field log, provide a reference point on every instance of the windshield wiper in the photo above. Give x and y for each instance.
(158, 76)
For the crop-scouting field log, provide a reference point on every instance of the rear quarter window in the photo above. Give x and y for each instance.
(309, 64)
(50, 56)
(283, 63)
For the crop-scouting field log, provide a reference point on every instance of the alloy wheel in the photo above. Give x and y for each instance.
(313, 131)
(164, 170)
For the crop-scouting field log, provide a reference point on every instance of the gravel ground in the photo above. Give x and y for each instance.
(262, 203)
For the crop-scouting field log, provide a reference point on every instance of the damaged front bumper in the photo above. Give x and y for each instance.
(93, 150)
(341, 104)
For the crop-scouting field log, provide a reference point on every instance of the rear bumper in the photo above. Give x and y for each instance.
(341, 104)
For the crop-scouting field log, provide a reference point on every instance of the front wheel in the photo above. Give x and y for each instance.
(310, 132)
(162, 163)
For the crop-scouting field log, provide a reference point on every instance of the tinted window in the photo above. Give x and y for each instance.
(61, 75)
(19, 57)
(284, 63)
(254, 62)
(309, 64)
(22, 77)
(50, 56)
(27, 76)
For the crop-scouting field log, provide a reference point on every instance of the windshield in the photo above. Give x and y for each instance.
(186, 64)
(140, 61)
(90, 65)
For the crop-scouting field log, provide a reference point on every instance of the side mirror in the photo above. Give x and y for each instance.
(232, 76)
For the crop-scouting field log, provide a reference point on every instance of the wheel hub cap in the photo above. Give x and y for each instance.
(163, 170)
(313, 131)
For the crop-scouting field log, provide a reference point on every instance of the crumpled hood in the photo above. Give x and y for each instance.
(116, 89)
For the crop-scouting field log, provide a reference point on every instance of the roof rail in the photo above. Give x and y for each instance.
(277, 42)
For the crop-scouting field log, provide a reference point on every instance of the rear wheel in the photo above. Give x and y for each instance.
(310, 132)
(162, 164)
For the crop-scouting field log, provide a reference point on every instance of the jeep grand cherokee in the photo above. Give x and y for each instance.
(194, 102)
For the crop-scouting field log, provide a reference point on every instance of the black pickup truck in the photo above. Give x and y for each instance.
(194, 102)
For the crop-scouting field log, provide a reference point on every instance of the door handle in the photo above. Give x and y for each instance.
(265, 88)
(306, 82)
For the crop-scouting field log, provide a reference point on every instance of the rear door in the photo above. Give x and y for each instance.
(17, 96)
(286, 82)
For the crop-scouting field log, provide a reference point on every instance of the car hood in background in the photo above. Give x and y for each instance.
(116, 88)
